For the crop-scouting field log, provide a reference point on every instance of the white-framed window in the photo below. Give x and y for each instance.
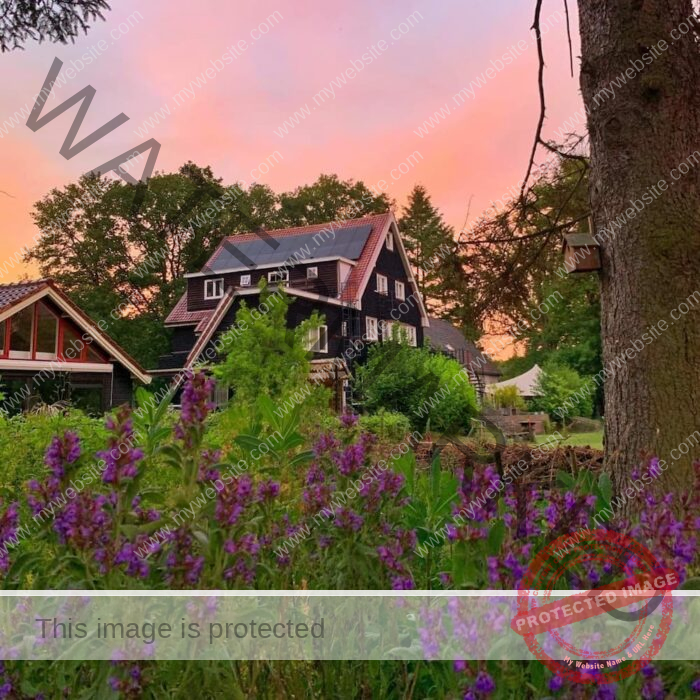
(278, 276)
(344, 329)
(245, 280)
(387, 330)
(317, 339)
(382, 284)
(411, 335)
(372, 328)
(221, 395)
(311, 273)
(214, 289)
(390, 241)
(400, 290)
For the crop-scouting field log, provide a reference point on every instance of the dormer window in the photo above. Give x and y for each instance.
(390, 241)
(245, 280)
(382, 284)
(278, 276)
(311, 273)
(214, 289)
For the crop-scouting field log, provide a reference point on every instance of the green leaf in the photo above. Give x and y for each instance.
(496, 536)
(605, 486)
(566, 480)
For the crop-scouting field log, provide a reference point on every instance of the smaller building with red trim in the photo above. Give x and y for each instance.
(50, 351)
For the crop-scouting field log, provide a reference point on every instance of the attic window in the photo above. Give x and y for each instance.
(311, 273)
(382, 284)
(278, 276)
(214, 289)
(390, 241)
(245, 280)
(21, 331)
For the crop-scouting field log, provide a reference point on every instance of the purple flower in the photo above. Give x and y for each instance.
(484, 683)
(695, 685)
(653, 689)
(556, 683)
(121, 458)
(606, 692)
(195, 406)
(349, 420)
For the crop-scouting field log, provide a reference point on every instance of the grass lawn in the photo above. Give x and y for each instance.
(579, 439)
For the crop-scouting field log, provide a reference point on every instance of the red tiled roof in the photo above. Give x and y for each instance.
(10, 294)
(181, 315)
(377, 221)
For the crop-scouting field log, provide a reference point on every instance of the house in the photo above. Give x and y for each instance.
(354, 272)
(443, 336)
(50, 351)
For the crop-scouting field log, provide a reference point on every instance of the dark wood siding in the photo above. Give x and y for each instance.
(122, 386)
(380, 306)
(326, 283)
(183, 338)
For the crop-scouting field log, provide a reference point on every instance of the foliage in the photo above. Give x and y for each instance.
(507, 397)
(59, 21)
(429, 244)
(248, 530)
(121, 251)
(568, 333)
(386, 425)
(23, 441)
(561, 393)
(265, 357)
(426, 387)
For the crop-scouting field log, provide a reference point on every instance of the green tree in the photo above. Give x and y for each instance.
(429, 244)
(426, 387)
(121, 251)
(264, 356)
(563, 393)
(329, 199)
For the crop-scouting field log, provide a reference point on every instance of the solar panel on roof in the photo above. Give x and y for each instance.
(347, 243)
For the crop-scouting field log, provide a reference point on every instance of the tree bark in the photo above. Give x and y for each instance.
(651, 263)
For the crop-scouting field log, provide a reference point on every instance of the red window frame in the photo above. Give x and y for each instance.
(63, 325)
(5, 349)
(83, 357)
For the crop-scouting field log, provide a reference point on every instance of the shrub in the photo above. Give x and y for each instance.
(507, 397)
(264, 356)
(386, 425)
(562, 393)
(426, 387)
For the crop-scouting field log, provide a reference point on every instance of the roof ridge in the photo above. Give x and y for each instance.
(26, 283)
(305, 228)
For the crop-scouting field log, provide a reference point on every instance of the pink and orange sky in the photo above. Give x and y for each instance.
(366, 131)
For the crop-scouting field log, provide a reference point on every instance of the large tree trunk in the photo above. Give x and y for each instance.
(651, 264)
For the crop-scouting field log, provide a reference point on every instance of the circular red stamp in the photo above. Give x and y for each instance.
(637, 580)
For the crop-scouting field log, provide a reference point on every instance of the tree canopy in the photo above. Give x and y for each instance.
(121, 251)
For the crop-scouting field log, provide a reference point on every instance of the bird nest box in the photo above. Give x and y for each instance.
(581, 253)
